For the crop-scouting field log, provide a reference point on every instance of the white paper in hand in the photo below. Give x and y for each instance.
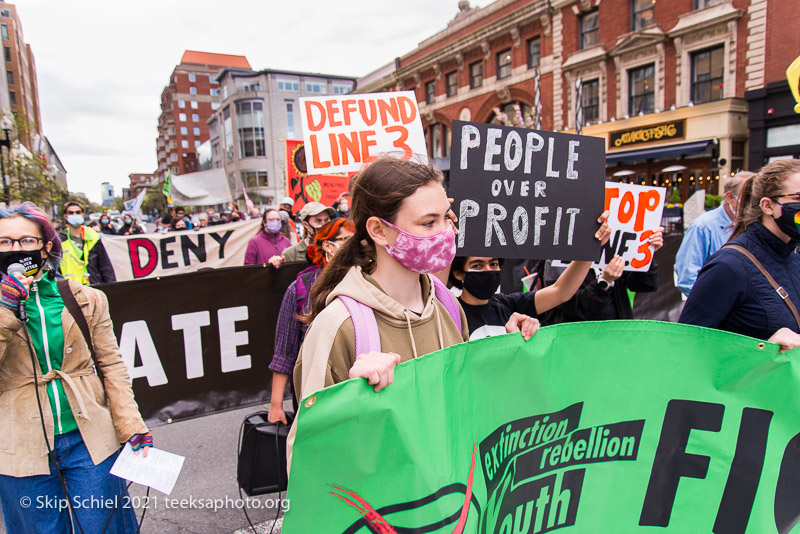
(160, 470)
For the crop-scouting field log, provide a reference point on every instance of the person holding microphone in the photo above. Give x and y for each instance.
(60, 392)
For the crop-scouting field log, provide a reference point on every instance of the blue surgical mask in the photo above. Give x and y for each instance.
(75, 220)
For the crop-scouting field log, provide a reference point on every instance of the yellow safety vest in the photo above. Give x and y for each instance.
(74, 261)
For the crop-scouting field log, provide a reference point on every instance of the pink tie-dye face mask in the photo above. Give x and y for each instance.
(423, 254)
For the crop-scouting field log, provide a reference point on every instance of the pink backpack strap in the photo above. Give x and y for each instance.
(448, 300)
(364, 324)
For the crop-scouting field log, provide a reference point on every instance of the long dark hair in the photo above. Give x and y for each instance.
(378, 190)
(767, 183)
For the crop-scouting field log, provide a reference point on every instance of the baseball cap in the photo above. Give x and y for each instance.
(315, 208)
(287, 200)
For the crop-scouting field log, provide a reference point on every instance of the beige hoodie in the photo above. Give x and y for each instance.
(328, 352)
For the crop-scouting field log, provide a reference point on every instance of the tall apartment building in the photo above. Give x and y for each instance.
(774, 125)
(20, 77)
(259, 110)
(663, 83)
(187, 102)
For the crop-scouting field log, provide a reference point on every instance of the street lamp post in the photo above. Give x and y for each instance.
(5, 125)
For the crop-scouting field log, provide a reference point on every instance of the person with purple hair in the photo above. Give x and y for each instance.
(83, 408)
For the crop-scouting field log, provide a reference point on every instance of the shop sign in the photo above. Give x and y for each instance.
(667, 131)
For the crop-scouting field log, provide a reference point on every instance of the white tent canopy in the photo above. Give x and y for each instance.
(204, 188)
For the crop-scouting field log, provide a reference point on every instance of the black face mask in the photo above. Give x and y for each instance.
(482, 284)
(789, 221)
(32, 260)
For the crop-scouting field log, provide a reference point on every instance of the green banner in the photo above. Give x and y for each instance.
(601, 427)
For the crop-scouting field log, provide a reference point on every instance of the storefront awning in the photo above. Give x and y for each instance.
(683, 149)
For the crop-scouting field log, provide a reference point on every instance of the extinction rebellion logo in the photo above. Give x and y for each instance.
(533, 470)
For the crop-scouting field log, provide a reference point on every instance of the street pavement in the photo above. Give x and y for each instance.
(208, 481)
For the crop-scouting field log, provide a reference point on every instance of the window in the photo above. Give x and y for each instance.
(185, 143)
(171, 130)
(250, 119)
(342, 88)
(224, 92)
(212, 78)
(215, 105)
(181, 104)
(7, 51)
(195, 117)
(504, 64)
(251, 87)
(476, 74)
(254, 179)
(193, 91)
(228, 125)
(641, 90)
(591, 100)
(182, 117)
(430, 92)
(184, 130)
(10, 77)
(193, 104)
(214, 92)
(642, 12)
(288, 85)
(192, 77)
(12, 97)
(317, 87)
(4, 29)
(452, 83)
(173, 157)
(707, 75)
(196, 130)
(197, 143)
(589, 25)
(534, 52)
(700, 4)
(290, 119)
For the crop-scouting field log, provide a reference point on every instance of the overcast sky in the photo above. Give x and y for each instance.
(102, 65)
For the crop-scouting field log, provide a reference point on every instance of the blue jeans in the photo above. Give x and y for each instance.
(38, 503)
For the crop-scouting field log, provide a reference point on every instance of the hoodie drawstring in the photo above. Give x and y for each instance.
(439, 324)
(410, 333)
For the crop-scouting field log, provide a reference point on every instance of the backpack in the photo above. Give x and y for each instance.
(366, 327)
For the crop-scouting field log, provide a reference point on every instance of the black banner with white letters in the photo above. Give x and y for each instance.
(199, 343)
(526, 194)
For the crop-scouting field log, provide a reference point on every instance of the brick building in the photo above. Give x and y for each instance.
(139, 181)
(774, 124)
(662, 82)
(191, 97)
(20, 78)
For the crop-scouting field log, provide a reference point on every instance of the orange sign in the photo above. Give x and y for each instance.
(304, 188)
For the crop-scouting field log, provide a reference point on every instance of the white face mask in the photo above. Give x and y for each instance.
(732, 206)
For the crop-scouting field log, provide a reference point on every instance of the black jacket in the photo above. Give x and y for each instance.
(731, 293)
(591, 303)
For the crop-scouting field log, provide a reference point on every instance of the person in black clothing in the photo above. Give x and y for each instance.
(731, 293)
(488, 311)
(105, 225)
(603, 295)
(129, 226)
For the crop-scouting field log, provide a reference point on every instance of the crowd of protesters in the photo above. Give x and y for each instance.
(386, 250)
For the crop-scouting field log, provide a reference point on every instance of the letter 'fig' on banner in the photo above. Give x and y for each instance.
(526, 194)
(343, 132)
(577, 429)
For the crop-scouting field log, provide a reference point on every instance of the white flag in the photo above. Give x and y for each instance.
(133, 207)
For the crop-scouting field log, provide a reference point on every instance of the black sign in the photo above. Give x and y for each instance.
(668, 131)
(199, 343)
(526, 194)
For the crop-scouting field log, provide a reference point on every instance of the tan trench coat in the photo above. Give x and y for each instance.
(105, 418)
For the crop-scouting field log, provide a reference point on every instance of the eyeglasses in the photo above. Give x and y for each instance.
(795, 196)
(340, 239)
(25, 243)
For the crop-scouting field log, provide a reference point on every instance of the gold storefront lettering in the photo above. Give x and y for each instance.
(647, 134)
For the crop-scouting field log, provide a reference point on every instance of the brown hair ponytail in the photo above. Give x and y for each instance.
(767, 183)
(378, 190)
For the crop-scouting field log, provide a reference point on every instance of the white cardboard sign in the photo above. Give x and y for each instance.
(343, 132)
